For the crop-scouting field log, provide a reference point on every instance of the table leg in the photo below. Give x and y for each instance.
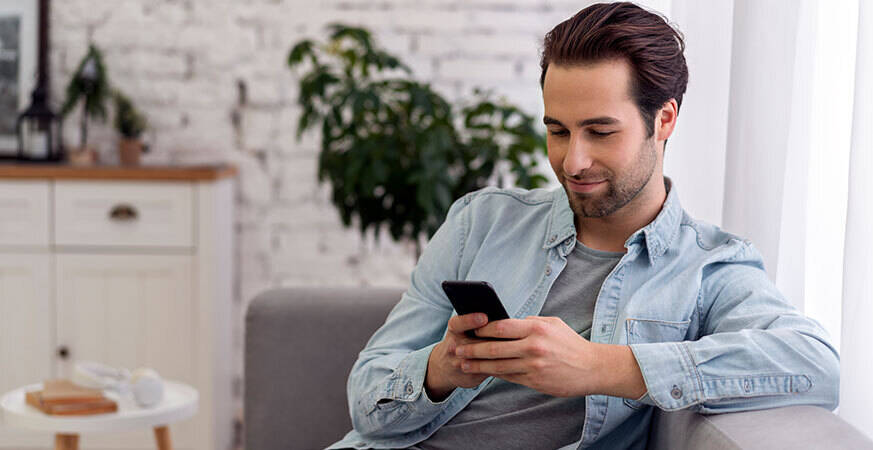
(162, 436)
(66, 441)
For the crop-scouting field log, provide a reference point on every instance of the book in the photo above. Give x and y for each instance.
(62, 397)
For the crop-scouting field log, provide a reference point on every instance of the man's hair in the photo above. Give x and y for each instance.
(606, 31)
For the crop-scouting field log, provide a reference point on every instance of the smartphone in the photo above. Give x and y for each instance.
(472, 297)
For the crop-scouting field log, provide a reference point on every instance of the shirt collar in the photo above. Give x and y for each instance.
(657, 235)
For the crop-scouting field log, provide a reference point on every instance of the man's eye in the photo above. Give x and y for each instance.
(592, 132)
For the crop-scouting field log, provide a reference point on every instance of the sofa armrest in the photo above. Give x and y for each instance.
(300, 345)
(807, 427)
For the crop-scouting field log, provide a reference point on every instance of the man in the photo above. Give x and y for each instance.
(620, 301)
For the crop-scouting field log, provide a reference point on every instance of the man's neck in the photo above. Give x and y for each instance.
(610, 233)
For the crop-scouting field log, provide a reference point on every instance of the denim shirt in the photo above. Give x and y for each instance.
(710, 331)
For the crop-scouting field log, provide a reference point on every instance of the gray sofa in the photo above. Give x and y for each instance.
(300, 345)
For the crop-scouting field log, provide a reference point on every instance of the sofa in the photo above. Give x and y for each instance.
(300, 344)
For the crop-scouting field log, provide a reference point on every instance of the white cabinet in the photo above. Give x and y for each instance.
(26, 328)
(127, 273)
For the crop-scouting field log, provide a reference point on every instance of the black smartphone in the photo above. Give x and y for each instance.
(475, 296)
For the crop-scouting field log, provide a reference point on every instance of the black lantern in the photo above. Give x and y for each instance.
(39, 131)
(38, 127)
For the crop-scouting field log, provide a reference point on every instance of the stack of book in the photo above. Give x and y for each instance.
(62, 397)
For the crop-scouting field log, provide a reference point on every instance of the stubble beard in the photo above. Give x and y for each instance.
(619, 192)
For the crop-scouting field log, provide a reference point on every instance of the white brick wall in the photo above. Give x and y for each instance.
(181, 61)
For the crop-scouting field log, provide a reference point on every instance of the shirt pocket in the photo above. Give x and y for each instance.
(642, 331)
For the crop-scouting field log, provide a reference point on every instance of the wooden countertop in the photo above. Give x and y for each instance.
(106, 172)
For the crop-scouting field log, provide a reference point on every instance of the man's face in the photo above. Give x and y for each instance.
(604, 162)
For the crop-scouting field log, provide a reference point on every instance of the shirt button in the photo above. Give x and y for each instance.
(676, 392)
(552, 239)
(548, 270)
(409, 389)
(747, 386)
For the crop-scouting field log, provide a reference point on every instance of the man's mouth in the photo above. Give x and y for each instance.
(584, 186)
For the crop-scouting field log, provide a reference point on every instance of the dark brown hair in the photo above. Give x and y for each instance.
(605, 31)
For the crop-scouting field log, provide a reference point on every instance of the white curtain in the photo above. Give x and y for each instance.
(775, 143)
(856, 391)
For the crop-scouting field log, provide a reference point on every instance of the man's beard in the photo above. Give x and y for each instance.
(619, 192)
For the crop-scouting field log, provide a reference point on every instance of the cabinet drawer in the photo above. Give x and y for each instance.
(24, 212)
(120, 213)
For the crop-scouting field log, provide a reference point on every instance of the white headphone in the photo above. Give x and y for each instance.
(145, 384)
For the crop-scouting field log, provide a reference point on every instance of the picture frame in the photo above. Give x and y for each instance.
(18, 65)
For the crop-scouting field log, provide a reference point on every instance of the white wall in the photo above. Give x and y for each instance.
(695, 154)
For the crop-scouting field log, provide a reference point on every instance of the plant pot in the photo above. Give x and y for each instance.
(86, 156)
(129, 151)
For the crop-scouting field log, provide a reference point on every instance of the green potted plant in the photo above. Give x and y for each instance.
(90, 86)
(394, 150)
(130, 124)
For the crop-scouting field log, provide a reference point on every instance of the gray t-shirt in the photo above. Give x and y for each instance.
(512, 416)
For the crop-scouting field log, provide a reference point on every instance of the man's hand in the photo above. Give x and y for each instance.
(444, 372)
(552, 358)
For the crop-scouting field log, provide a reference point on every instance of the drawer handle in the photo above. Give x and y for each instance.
(123, 213)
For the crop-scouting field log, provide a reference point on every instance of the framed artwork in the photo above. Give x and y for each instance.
(18, 61)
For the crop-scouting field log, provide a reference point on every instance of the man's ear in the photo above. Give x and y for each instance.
(665, 120)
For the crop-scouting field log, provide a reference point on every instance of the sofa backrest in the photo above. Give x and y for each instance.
(300, 346)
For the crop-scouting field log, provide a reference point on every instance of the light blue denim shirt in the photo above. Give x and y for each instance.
(709, 330)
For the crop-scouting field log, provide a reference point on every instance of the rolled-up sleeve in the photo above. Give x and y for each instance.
(755, 351)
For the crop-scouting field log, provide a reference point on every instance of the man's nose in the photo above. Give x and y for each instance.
(578, 157)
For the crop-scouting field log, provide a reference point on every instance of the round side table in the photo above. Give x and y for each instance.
(180, 402)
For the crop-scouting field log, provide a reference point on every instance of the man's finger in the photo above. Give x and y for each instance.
(493, 350)
(495, 367)
(509, 328)
(462, 323)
